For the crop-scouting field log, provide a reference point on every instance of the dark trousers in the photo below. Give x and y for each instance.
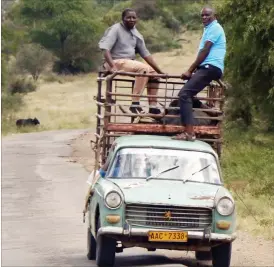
(199, 80)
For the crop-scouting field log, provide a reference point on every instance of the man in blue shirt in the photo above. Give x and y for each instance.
(208, 66)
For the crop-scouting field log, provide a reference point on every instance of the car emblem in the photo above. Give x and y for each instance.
(167, 215)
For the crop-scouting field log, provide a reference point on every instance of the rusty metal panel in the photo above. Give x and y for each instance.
(157, 128)
(159, 116)
(113, 119)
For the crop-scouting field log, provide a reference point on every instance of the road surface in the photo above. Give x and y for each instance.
(43, 191)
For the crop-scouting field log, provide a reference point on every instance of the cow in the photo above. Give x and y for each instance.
(27, 122)
(196, 113)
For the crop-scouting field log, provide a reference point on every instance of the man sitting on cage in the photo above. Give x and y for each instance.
(208, 66)
(120, 44)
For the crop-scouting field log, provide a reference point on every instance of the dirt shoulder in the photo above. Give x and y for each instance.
(82, 150)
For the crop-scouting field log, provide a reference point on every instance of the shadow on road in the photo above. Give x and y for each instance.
(144, 260)
(153, 260)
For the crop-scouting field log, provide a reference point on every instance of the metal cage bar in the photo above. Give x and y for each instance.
(114, 120)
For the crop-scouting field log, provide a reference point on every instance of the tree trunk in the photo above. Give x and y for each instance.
(63, 66)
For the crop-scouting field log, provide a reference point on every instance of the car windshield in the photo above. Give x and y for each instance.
(143, 163)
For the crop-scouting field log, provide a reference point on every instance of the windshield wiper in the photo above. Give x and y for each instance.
(188, 179)
(158, 174)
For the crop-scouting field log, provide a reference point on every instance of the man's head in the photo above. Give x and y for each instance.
(208, 15)
(129, 18)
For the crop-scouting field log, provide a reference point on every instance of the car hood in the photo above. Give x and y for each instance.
(166, 192)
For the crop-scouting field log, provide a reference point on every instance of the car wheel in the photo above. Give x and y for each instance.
(203, 255)
(221, 255)
(91, 245)
(105, 249)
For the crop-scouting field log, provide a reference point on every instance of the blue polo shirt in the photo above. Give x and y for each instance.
(214, 33)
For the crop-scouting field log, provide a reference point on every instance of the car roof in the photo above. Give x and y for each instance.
(161, 141)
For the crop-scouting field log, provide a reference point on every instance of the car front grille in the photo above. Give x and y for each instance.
(169, 217)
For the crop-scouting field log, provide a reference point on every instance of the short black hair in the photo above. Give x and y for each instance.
(124, 13)
(213, 10)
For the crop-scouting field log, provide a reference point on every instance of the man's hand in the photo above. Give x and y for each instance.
(164, 73)
(113, 69)
(160, 72)
(186, 75)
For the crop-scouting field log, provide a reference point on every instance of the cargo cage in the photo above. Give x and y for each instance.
(114, 97)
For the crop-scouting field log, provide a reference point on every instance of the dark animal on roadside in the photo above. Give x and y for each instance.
(197, 113)
(27, 122)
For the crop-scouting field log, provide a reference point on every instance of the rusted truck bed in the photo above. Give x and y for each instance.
(113, 100)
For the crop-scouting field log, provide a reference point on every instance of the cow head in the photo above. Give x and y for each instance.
(35, 121)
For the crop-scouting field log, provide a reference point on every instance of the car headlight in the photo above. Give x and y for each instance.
(225, 206)
(113, 200)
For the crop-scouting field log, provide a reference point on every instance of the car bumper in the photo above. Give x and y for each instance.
(208, 236)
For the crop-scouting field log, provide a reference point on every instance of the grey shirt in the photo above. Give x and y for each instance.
(123, 43)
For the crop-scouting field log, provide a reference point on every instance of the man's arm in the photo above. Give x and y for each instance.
(149, 59)
(109, 60)
(203, 53)
(106, 44)
(145, 54)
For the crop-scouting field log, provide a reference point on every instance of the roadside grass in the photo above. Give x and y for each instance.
(248, 168)
(64, 104)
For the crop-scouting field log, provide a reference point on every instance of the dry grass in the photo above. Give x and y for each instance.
(66, 102)
(177, 61)
(256, 215)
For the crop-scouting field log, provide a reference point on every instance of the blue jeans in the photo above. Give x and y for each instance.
(199, 80)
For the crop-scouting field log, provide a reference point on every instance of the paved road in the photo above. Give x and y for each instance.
(42, 199)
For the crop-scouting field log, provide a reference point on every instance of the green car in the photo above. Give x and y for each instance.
(160, 193)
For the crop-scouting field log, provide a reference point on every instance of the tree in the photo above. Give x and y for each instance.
(60, 25)
(33, 59)
(249, 25)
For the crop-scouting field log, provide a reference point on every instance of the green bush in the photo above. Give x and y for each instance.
(151, 10)
(157, 37)
(146, 10)
(250, 57)
(68, 29)
(4, 71)
(33, 59)
(10, 103)
(21, 84)
(188, 13)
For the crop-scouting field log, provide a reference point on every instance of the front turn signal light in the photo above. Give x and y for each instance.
(223, 225)
(113, 218)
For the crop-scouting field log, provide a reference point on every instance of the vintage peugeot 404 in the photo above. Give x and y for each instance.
(159, 193)
(152, 191)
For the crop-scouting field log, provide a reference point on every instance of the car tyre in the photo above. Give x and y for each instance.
(203, 255)
(91, 245)
(105, 249)
(221, 255)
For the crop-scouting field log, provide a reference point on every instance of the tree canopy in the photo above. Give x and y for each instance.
(249, 26)
(66, 28)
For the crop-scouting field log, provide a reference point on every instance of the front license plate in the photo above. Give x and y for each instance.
(157, 236)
